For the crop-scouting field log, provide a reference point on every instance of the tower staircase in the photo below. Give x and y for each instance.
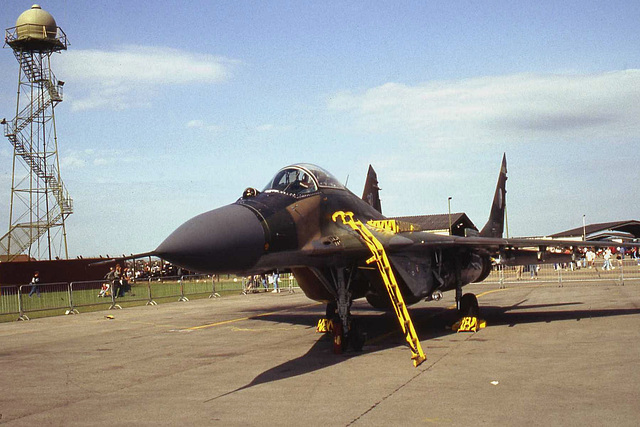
(22, 235)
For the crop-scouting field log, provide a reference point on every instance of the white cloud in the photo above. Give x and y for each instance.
(78, 159)
(200, 124)
(127, 77)
(522, 107)
(72, 161)
(265, 128)
(195, 124)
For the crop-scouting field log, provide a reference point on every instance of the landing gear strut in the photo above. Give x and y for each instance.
(466, 304)
(345, 329)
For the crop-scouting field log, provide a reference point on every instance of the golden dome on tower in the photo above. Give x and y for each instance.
(36, 30)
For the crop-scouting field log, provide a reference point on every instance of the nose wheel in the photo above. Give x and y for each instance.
(346, 331)
(353, 339)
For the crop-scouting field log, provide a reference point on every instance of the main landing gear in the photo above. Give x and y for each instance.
(468, 312)
(468, 306)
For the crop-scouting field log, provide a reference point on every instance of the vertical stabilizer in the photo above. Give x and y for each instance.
(371, 193)
(495, 225)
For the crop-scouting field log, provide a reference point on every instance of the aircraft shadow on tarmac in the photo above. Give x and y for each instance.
(515, 314)
(382, 333)
(431, 323)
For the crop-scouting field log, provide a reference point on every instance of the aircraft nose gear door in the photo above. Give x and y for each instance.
(382, 261)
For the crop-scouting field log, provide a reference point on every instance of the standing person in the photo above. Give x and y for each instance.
(125, 282)
(107, 286)
(275, 278)
(35, 288)
(519, 271)
(117, 281)
(607, 259)
(591, 258)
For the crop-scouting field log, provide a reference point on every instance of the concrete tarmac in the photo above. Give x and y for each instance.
(549, 356)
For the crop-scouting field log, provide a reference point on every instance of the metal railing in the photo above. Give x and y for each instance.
(72, 297)
(42, 297)
(620, 271)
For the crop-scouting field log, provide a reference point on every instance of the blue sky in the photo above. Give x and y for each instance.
(173, 108)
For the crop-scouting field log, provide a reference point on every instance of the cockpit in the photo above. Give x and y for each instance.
(301, 179)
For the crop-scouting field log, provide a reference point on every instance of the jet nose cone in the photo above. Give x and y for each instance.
(225, 240)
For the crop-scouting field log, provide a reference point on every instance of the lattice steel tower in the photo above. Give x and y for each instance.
(39, 200)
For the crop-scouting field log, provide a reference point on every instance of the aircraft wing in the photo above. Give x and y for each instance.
(522, 242)
(514, 251)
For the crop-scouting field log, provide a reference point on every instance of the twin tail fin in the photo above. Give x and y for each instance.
(371, 193)
(495, 225)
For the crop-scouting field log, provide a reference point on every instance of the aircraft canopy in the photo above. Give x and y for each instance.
(302, 179)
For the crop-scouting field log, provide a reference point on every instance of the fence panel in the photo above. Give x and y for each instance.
(132, 291)
(620, 271)
(165, 287)
(198, 285)
(44, 296)
(288, 282)
(92, 293)
(9, 300)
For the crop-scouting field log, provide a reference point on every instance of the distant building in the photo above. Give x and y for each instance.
(625, 230)
(19, 258)
(439, 223)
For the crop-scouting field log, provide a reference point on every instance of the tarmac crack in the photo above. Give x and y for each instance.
(421, 371)
(400, 387)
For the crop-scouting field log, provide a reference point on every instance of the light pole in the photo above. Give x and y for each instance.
(449, 203)
(584, 229)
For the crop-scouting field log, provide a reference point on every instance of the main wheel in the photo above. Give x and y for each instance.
(469, 306)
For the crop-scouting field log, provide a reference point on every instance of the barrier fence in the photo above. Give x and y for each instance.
(72, 297)
(619, 272)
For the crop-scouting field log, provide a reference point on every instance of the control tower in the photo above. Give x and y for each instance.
(39, 203)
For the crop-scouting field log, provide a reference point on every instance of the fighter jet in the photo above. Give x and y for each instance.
(306, 222)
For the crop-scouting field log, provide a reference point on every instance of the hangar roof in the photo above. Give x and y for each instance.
(603, 230)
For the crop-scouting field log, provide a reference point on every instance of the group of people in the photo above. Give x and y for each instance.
(116, 282)
(588, 259)
(251, 284)
(589, 256)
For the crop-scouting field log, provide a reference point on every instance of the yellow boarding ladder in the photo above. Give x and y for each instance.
(382, 261)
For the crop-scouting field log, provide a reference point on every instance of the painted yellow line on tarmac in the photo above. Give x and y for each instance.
(255, 316)
(451, 307)
(490, 292)
(240, 319)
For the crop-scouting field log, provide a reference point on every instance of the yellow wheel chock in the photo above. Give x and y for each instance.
(324, 326)
(469, 324)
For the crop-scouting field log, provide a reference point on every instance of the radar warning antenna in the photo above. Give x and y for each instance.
(40, 202)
